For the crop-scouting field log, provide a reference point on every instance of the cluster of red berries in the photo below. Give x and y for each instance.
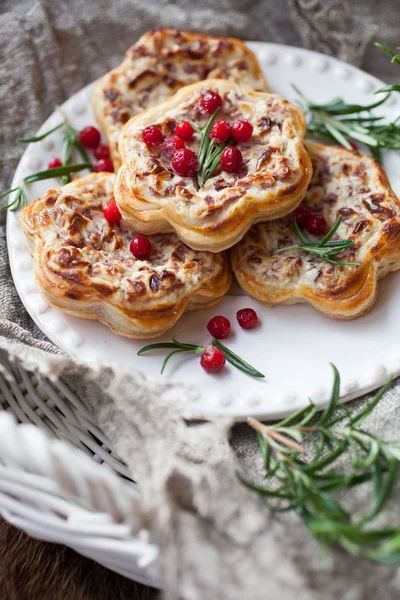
(183, 160)
(141, 247)
(315, 224)
(212, 358)
(90, 138)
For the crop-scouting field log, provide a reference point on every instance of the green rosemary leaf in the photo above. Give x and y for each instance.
(157, 346)
(395, 57)
(42, 136)
(298, 231)
(361, 416)
(4, 194)
(69, 139)
(236, 361)
(166, 359)
(384, 490)
(299, 414)
(331, 232)
(341, 108)
(56, 172)
(185, 346)
(394, 87)
(205, 138)
(333, 402)
(82, 152)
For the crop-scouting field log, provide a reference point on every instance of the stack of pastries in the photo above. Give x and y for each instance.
(160, 111)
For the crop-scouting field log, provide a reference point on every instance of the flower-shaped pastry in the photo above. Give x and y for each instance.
(261, 174)
(347, 185)
(87, 267)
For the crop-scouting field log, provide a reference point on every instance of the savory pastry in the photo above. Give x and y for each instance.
(209, 187)
(344, 184)
(160, 63)
(86, 262)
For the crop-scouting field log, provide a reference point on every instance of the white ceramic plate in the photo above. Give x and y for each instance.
(293, 345)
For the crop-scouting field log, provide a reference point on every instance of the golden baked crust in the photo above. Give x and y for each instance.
(158, 65)
(83, 265)
(344, 183)
(272, 181)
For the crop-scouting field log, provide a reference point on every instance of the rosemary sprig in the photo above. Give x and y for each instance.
(20, 194)
(326, 249)
(341, 122)
(209, 152)
(307, 481)
(176, 347)
(394, 87)
(71, 142)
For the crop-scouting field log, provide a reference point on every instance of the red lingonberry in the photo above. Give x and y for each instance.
(54, 163)
(242, 130)
(152, 136)
(185, 131)
(316, 224)
(141, 247)
(102, 151)
(231, 159)
(247, 318)
(220, 131)
(185, 162)
(212, 359)
(104, 165)
(172, 143)
(111, 213)
(89, 137)
(219, 327)
(209, 102)
(302, 215)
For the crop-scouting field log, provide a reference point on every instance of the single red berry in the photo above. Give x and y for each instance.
(185, 131)
(102, 151)
(219, 327)
(152, 136)
(111, 213)
(209, 102)
(89, 137)
(220, 131)
(242, 130)
(212, 359)
(141, 247)
(54, 163)
(104, 165)
(172, 143)
(247, 318)
(231, 159)
(185, 162)
(302, 215)
(316, 224)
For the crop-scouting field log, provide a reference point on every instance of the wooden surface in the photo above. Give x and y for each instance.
(34, 570)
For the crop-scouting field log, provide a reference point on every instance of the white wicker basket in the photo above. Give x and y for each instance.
(80, 496)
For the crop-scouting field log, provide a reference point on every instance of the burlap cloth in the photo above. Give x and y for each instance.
(217, 539)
